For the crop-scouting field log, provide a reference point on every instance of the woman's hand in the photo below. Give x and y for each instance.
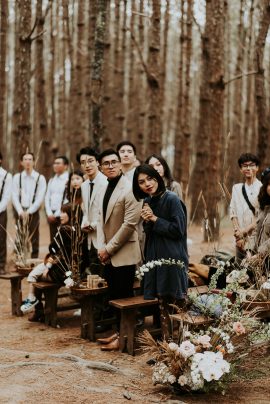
(147, 213)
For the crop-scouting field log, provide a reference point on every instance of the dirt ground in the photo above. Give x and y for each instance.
(54, 365)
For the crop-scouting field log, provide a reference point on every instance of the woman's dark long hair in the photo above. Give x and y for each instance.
(263, 197)
(167, 172)
(73, 195)
(151, 172)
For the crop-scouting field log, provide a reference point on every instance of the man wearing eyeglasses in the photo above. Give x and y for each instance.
(91, 188)
(118, 241)
(244, 203)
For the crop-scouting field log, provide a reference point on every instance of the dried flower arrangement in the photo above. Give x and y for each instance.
(207, 359)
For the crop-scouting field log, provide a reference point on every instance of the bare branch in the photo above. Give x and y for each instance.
(137, 13)
(198, 25)
(37, 36)
(239, 76)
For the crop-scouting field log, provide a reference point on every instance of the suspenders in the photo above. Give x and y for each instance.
(20, 189)
(3, 185)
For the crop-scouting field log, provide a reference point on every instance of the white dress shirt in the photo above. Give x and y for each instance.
(6, 195)
(28, 186)
(55, 193)
(239, 208)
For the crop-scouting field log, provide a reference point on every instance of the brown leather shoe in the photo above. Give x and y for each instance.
(113, 346)
(36, 317)
(107, 340)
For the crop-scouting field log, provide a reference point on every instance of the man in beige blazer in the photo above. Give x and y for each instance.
(117, 232)
(91, 190)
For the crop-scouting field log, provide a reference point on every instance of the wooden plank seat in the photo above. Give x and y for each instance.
(16, 291)
(52, 292)
(191, 320)
(129, 308)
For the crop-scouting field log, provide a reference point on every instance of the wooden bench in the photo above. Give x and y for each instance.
(129, 308)
(16, 291)
(51, 295)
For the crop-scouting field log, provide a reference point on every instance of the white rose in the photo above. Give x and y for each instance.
(69, 282)
(182, 380)
(173, 346)
(186, 349)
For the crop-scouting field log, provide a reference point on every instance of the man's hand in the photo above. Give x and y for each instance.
(87, 229)
(24, 215)
(51, 219)
(240, 244)
(103, 256)
(238, 234)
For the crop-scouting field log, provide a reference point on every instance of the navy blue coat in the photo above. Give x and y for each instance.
(166, 238)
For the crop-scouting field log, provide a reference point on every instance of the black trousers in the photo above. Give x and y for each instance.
(53, 228)
(120, 280)
(3, 239)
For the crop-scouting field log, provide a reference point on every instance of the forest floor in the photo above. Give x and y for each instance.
(38, 364)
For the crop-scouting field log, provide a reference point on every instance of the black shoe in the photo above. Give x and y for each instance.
(102, 328)
(37, 317)
(151, 362)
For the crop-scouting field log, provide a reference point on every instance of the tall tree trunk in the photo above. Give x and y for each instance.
(249, 105)
(153, 80)
(97, 74)
(79, 117)
(24, 59)
(51, 81)
(237, 127)
(3, 75)
(263, 126)
(45, 158)
(90, 49)
(216, 84)
(210, 131)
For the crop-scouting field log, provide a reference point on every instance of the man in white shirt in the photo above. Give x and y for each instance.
(244, 203)
(28, 191)
(91, 190)
(127, 153)
(55, 194)
(5, 195)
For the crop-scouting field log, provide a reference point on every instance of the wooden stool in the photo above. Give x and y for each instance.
(129, 307)
(50, 291)
(16, 291)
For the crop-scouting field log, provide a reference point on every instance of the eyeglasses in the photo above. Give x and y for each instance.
(112, 163)
(253, 165)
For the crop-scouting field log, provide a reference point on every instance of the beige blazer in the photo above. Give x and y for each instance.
(117, 232)
(91, 206)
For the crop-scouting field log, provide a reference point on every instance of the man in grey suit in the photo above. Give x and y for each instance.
(91, 189)
(118, 243)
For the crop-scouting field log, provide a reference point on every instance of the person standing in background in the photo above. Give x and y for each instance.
(91, 189)
(28, 192)
(55, 194)
(244, 203)
(127, 153)
(118, 242)
(5, 195)
(161, 166)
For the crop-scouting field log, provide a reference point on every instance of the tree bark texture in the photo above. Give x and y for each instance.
(263, 125)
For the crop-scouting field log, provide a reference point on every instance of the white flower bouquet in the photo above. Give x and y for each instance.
(157, 263)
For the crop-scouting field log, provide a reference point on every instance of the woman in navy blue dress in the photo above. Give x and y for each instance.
(165, 227)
